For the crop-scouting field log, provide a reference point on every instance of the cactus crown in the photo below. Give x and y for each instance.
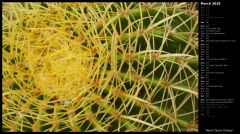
(100, 66)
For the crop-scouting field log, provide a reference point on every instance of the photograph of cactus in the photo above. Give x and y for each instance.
(100, 66)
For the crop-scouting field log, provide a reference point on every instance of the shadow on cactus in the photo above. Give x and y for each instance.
(100, 67)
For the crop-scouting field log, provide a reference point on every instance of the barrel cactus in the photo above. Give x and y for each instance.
(117, 66)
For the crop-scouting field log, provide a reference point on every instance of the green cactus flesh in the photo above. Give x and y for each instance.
(100, 66)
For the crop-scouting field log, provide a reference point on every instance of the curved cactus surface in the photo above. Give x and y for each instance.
(124, 66)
